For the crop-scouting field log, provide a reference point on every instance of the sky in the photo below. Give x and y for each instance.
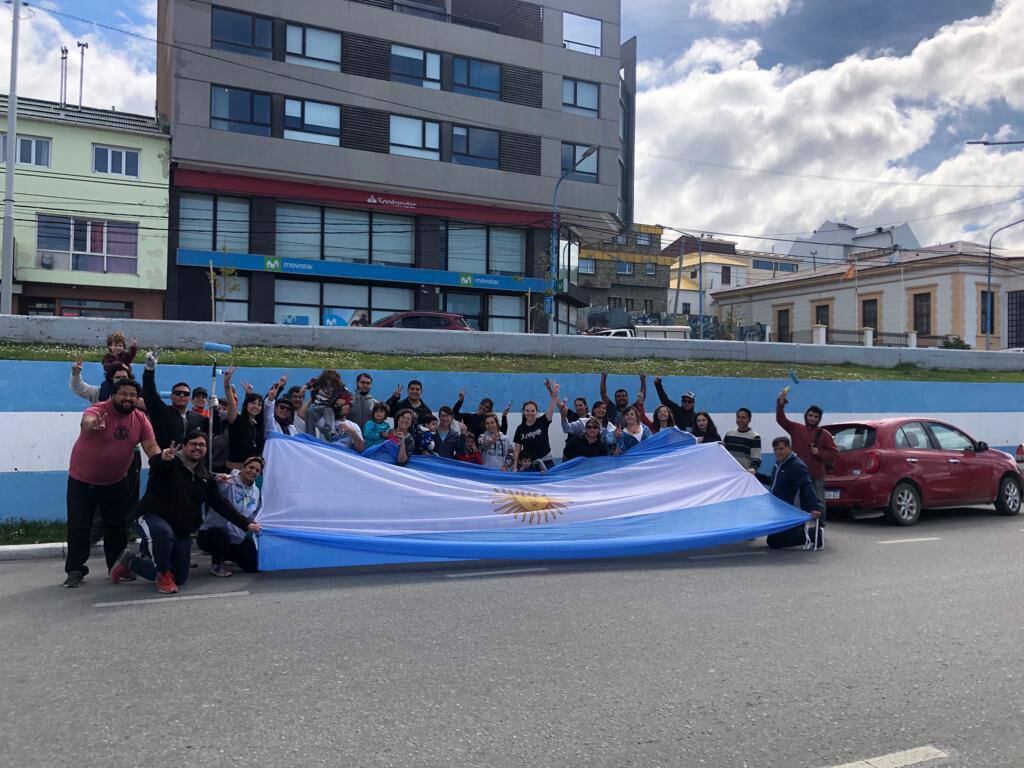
(878, 96)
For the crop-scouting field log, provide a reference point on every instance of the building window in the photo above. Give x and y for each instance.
(587, 266)
(923, 313)
(622, 239)
(581, 33)
(772, 266)
(648, 307)
(474, 146)
(783, 327)
(643, 239)
(685, 308)
(393, 239)
(726, 275)
(31, 150)
(208, 223)
(346, 236)
(313, 47)
(614, 302)
(986, 299)
(87, 245)
(296, 302)
(476, 78)
(312, 121)
(387, 301)
(416, 67)
(297, 232)
(469, 305)
(869, 313)
(623, 268)
(787, 267)
(575, 167)
(231, 298)
(650, 269)
(821, 314)
(413, 137)
(239, 110)
(242, 33)
(479, 249)
(346, 305)
(580, 97)
(79, 308)
(506, 314)
(115, 161)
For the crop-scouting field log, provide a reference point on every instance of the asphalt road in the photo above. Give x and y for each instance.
(782, 659)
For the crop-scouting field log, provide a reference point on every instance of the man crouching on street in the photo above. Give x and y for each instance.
(171, 510)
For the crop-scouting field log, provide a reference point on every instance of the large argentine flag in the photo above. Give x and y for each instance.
(326, 506)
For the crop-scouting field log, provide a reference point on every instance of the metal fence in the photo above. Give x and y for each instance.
(932, 341)
(889, 339)
(802, 337)
(847, 338)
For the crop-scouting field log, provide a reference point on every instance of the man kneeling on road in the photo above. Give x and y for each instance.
(792, 483)
(223, 540)
(171, 510)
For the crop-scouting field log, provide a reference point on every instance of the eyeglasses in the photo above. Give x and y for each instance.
(687, 399)
(181, 393)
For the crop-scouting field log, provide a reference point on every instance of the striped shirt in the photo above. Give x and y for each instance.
(745, 447)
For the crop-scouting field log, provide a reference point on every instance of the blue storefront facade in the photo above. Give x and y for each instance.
(245, 249)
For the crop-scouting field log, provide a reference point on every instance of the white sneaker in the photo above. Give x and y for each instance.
(219, 570)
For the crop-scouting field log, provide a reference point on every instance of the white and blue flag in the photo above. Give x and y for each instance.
(326, 506)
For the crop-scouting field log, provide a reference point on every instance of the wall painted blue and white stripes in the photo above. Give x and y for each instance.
(39, 414)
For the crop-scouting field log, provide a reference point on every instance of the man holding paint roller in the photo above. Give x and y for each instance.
(811, 443)
(171, 422)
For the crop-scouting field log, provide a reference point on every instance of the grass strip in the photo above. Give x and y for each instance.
(297, 357)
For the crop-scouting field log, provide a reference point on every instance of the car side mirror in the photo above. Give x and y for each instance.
(982, 447)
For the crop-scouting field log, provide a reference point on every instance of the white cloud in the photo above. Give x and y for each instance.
(740, 11)
(118, 69)
(862, 118)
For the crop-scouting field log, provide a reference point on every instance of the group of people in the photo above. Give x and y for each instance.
(206, 454)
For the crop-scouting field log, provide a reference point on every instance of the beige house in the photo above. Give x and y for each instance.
(932, 294)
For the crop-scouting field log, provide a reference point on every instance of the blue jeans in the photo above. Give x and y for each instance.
(162, 550)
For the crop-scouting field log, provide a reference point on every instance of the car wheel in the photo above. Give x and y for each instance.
(1009, 498)
(904, 505)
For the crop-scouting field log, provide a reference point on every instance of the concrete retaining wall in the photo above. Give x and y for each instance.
(182, 334)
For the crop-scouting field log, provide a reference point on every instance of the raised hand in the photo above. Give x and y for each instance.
(76, 368)
(657, 379)
(555, 388)
(98, 424)
(229, 373)
(247, 387)
(398, 391)
(462, 394)
(167, 454)
(133, 342)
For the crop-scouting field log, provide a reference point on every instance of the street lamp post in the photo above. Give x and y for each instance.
(553, 249)
(700, 273)
(990, 301)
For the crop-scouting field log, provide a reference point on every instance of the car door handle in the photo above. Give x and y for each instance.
(911, 461)
(954, 461)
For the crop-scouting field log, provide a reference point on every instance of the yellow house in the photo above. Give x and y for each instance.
(91, 192)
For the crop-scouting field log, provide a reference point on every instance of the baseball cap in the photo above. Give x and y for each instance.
(690, 395)
(200, 392)
(284, 401)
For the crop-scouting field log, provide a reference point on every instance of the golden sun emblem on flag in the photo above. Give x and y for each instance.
(528, 507)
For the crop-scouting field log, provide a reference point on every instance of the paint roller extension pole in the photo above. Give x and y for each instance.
(212, 347)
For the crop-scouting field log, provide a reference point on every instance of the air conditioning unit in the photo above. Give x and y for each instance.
(46, 260)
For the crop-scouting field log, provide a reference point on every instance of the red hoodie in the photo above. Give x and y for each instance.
(803, 437)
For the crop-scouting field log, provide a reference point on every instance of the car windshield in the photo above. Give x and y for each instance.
(852, 437)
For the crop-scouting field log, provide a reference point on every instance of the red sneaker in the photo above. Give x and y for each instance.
(122, 570)
(165, 583)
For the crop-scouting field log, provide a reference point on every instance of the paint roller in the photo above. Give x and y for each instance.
(213, 346)
(793, 378)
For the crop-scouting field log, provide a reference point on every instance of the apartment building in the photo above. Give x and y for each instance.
(338, 160)
(627, 272)
(90, 214)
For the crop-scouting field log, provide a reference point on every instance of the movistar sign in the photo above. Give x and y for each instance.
(251, 262)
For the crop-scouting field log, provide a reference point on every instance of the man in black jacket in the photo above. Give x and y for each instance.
(171, 510)
(413, 401)
(791, 482)
(684, 412)
(171, 422)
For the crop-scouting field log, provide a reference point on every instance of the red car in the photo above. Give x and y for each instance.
(435, 321)
(905, 465)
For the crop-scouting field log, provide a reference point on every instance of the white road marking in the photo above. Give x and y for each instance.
(726, 554)
(911, 541)
(161, 600)
(898, 759)
(500, 572)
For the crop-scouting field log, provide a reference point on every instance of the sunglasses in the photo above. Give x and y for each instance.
(181, 393)
(593, 427)
(687, 399)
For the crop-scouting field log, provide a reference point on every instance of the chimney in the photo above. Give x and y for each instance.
(63, 98)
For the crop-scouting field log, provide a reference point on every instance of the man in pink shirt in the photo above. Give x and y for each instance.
(100, 461)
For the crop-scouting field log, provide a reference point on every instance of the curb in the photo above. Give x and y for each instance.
(54, 551)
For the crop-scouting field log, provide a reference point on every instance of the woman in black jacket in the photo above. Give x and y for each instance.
(589, 444)
(171, 510)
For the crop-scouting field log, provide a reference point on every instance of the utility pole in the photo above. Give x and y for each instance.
(7, 273)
